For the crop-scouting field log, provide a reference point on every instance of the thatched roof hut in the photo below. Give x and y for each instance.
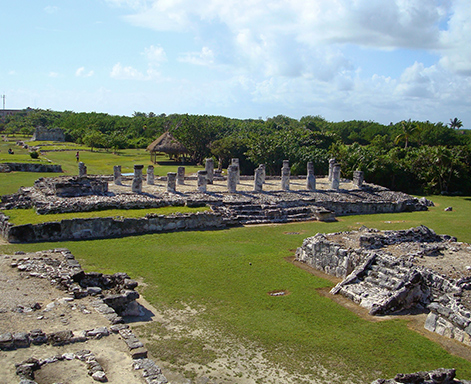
(165, 143)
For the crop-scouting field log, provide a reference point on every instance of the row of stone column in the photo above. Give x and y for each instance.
(233, 178)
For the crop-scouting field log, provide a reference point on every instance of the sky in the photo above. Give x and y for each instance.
(380, 60)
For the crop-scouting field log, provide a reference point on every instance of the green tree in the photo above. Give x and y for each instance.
(94, 139)
(408, 128)
(455, 123)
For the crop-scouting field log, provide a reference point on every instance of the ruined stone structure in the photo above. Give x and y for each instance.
(209, 168)
(29, 167)
(332, 162)
(71, 186)
(112, 296)
(137, 180)
(392, 271)
(232, 178)
(335, 177)
(150, 175)
(181, 175)
(358, 178)
(48, 134)
(235, 163)
(171, 182)
(202, 181)
(285, 175)
(258, 180)
(311, 177)
(82, 169)
(117, 177)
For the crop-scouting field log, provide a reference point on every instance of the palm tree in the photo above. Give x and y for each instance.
(408, 129)
(455, 123)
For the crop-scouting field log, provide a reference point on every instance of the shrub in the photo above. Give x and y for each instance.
(34, 154)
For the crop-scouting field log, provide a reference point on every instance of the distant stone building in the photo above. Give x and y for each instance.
(48, 134)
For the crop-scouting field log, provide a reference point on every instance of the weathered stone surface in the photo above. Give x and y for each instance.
(437, 376)
(381, 274)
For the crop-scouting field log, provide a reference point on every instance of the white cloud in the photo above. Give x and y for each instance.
(130, 73)
(126, 73)
(155, 55)
(54, 74)
(204, 57)
(51, 9)
(80, 72)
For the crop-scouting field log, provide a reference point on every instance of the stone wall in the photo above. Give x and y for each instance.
(107, 227)
(48, 134)
(388, 272)
(29, 167)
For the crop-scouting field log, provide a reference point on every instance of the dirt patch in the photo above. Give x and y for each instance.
(29, 303)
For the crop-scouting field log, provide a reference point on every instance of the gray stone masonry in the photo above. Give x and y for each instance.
(232, 178)
(82, 169)
(137, 180)
(263, 172)
(258, 180)
(437, 376)
(335, 177)
(332, 162)
(171, 182)
(395, 271)
(209, 168)
(181, 175)
(311, 177)
(235, 162)
(202, 181)
(150, 175)
(29, 167)
(285, 175)
(117, 177)
(358, 178)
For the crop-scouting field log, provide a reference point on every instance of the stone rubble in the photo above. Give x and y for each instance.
(382, 272)
(437, 376)
(114, 296)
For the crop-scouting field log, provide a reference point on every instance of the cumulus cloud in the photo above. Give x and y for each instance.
(204, 57)
(121, 72)
(80, 72)
(296, 52)
(155, 55)
(54, 74)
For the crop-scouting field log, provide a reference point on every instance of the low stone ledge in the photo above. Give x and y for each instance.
(30, 167)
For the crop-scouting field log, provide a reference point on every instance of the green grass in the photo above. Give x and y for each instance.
(29, 216)
(229, 272)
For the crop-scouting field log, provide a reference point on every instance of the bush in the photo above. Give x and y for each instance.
(34, 154)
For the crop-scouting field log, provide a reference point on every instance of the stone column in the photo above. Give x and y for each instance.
(285, 174)
(137, 180)
(232, 178)
(311, 177)
(332, 162)
(209, 168)
(181, 175)
(263, 172)
(358, 178)
(117, 174)
(171, 182)
(335, 177)
(258, 180)
(235, 162)
(202, 181)
(150, 175)
(82, 169)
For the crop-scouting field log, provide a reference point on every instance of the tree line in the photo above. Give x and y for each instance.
(411, 156)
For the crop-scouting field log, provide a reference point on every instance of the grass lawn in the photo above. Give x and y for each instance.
(29, 216)
(229, 272)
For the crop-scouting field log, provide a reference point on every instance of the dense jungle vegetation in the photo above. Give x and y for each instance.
(411, 156)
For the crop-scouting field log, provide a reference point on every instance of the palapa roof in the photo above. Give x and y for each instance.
(168, 144)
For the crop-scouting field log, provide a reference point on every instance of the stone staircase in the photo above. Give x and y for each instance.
(384, 284)
(246, 213)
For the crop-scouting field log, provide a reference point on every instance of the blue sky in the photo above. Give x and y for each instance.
(379, 60)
